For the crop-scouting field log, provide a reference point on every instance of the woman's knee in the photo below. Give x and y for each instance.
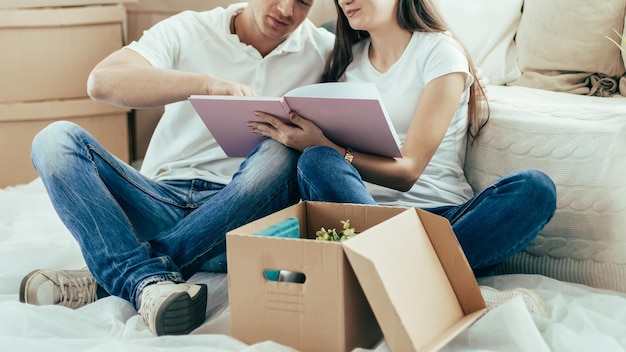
(536, 193)
(316, 159)
(541, 188)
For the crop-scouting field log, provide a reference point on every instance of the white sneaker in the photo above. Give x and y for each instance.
(173, 309)
(534, 303)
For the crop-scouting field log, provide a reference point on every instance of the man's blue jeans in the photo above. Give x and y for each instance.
(491, 227)
(134, 231)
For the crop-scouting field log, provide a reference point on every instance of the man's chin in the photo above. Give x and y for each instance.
(277, 34)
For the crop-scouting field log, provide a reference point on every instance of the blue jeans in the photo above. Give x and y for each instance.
(491, 227)
(133, 231)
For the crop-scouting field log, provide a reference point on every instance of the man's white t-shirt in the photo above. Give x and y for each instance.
(427, 56)
(181, 146)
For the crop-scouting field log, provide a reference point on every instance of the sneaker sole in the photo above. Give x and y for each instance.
(25, 282)
(183, 314)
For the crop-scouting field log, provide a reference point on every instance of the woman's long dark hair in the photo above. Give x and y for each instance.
(415, 16)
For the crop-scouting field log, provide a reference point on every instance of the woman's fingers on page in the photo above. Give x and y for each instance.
(270, 126)
(298, 120)
(270, 119)
(276, 129)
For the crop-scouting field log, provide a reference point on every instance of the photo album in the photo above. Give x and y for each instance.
(351, 115)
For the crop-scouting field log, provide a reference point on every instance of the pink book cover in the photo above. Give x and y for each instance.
(350, 114)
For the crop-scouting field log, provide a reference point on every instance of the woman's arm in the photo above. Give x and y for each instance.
(431, 120)
(125, 78)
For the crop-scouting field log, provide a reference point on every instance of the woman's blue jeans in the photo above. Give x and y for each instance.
(134, 231)
(491, 227)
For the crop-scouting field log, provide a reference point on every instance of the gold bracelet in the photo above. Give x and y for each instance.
(348, 156)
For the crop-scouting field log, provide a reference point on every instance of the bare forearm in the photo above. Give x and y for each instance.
(127, 79)
(395, 173)
(145, 87)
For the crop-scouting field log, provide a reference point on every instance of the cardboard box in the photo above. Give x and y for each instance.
(48, 53)
(20, 122)
(143, 123)
(406, 262)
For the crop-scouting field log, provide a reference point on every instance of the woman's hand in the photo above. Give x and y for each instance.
(299, 135)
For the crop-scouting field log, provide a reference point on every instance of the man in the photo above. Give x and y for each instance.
(144, 234)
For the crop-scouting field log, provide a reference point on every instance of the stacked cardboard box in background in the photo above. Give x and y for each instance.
(49, 49)
(145, 13)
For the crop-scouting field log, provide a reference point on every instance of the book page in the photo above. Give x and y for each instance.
(346, 90)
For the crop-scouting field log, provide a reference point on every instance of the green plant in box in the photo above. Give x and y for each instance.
(332, 234)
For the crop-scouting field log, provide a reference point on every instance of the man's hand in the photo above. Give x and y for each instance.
(220, 86)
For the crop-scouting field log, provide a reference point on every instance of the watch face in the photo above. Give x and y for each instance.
(348, 156)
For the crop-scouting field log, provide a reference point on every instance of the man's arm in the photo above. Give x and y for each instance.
(126, 79)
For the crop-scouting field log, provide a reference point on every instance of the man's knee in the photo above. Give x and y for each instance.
(54, 134)
(52, 142)
(278, 152)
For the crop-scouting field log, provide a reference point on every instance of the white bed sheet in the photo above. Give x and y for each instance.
(31, 236)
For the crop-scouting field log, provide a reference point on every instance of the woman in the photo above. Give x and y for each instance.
(426, 81)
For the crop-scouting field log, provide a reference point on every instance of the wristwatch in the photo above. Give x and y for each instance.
(348, 156)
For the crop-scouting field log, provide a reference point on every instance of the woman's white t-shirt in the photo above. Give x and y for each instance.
(181, 146)
(427, 56)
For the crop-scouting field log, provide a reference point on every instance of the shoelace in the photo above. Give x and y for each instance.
(76, 292)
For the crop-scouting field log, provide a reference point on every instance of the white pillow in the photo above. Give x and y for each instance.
(487, 29)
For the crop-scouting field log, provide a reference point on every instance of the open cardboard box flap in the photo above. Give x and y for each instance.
(418, 284)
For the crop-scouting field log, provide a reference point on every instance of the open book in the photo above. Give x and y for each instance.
(350, 114)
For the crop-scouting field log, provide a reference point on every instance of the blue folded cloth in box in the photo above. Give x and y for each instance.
(288, 228)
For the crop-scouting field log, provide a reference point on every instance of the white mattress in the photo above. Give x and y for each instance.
(580, 142)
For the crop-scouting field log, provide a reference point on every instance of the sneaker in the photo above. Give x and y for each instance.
(173, 309)
(535, 304)
(69, 288)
